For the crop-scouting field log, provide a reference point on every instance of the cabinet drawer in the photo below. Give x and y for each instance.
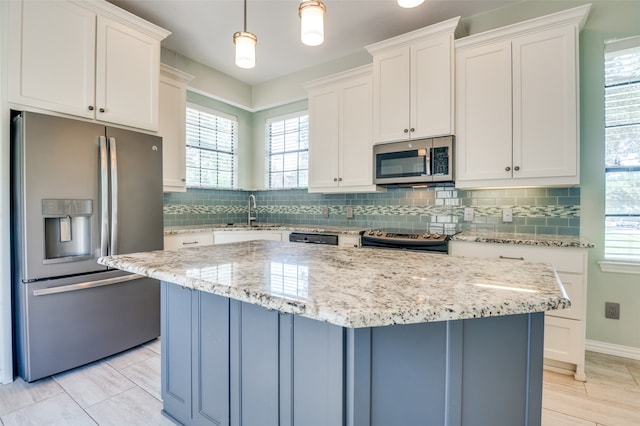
(349, 240)
(562, 339)
(564, 259)
(188, 240)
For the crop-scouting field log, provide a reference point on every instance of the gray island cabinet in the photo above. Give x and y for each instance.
(273, 333)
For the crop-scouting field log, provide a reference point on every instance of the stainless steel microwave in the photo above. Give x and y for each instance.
(414, 162)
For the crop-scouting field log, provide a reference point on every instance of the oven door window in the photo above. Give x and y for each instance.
(402, 164)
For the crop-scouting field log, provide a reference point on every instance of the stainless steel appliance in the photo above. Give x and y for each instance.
(431, 242)
(80, 191)
(414, 162)
(313, 238)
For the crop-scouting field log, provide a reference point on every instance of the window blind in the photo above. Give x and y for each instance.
(288, 151)
(211, 145)
(622, 152)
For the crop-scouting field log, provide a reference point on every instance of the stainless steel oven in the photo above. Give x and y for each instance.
(414, 162)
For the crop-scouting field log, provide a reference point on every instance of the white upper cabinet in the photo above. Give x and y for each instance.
(172, 127)
(413, 84)
(340, 148)
(88, 59)
(517, 106)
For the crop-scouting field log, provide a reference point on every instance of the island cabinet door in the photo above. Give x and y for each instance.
(210, 359)
(176, 331)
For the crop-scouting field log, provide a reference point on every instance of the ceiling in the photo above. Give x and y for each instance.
(202, 30)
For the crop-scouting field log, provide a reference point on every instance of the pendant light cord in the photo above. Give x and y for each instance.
(245, 16)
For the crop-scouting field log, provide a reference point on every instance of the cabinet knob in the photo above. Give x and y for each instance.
(412, 130)
(406, 130)
(335, 179)
(183, 179)
(339, 179)
(508, 169)
(516, 168)
(101, 110)
(91, 108)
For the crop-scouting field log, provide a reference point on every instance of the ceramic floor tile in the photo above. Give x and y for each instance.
(584, 408)
(553, 418)
(146, 374)
(93, 383)
(20, 393)
(133, 407)
(153, 345)
(59, 410)
(130, 357)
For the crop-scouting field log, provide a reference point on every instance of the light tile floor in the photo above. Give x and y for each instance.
(125, 390)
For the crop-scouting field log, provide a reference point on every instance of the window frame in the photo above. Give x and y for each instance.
(269, 155)
(220, 114)
(620, 263)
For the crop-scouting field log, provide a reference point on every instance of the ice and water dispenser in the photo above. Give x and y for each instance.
(67, 230)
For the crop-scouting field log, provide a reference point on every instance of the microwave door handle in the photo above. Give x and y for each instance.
(104, 198)
(114, 195)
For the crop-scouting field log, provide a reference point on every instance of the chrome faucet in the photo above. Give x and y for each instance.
(252, 209)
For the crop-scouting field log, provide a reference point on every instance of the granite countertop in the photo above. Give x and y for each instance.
(170, 230)
(355, 287)
(523, 239)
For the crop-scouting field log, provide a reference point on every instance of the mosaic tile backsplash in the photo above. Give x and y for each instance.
(434, 209)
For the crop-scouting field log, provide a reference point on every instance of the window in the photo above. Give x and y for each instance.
(287, 140)
(622, 150)
(211, 148)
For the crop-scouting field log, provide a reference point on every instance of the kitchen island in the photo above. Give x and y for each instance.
(273, 333)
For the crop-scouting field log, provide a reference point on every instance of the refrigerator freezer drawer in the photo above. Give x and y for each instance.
(69, 325)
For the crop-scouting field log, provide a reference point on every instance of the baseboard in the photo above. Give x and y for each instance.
(613, 349)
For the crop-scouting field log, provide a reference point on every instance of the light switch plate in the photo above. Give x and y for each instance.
(507, 215)
(325, 212)
(468, 214)
(349, 212)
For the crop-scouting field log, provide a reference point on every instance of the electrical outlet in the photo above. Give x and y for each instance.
(611, 310)
(349, 212)
(507, 215)
(468, 214)
(325, 212)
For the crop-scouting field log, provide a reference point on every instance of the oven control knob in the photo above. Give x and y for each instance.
(371, 232)
(379, 234)
(436, 236)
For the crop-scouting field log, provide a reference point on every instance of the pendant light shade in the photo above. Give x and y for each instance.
(245, 45)
(245, 49)
(410, 3)
(312, 22)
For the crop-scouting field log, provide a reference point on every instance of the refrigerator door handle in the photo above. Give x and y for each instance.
(85, 285)
(113, 155)
(104, 197)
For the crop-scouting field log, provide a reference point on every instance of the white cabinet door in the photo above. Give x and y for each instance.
(340, 147)
(355, 151)
(391, 102)
(171, 126)
(431, 87)
(324, 135)
(545, 105)
(483, 112)
(127, 75)
(52, 56)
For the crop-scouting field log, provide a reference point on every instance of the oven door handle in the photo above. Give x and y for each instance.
(85, 285)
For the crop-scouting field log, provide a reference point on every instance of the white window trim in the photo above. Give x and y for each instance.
(609, 265)
(619, 267)
(228, 116)
(267, 152)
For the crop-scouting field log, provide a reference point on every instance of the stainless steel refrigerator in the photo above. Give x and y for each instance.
(80, 191)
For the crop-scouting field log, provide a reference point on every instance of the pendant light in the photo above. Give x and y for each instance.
(410, 3)
(245, 45)
(312, 22)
